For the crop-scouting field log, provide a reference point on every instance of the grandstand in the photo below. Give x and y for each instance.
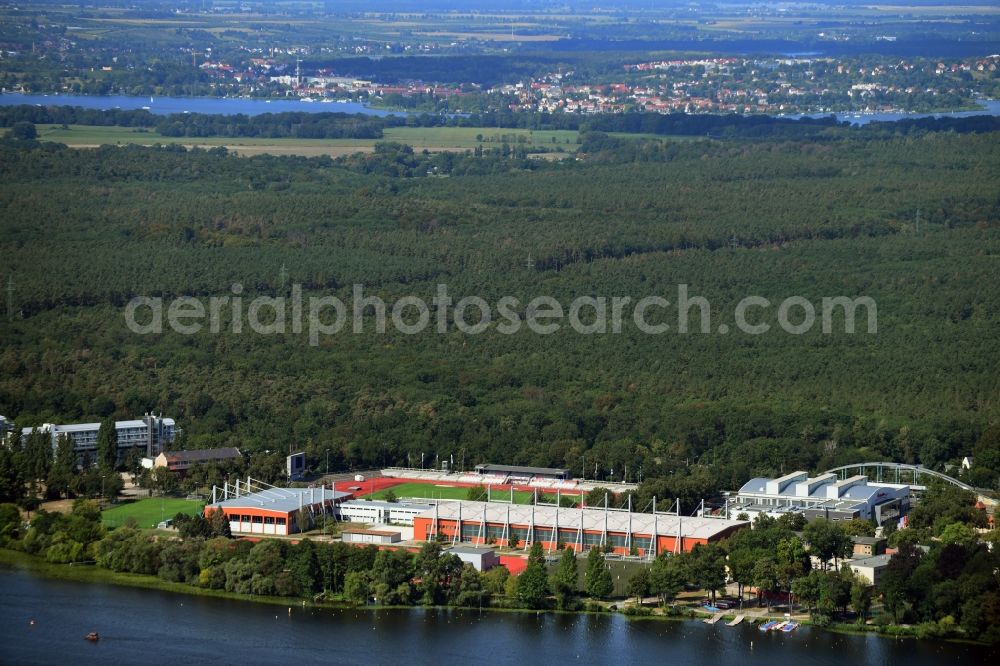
(519, 475)
(498, 476)
(620, 531)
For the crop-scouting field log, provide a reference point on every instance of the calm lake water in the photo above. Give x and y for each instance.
(168, 105)
(150, 627)
(252, 107)
(991, 107)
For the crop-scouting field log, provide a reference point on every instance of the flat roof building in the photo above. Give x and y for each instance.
(377, 512)
(274, 511)
(823, 496)
(150, 433)
(376, 537)
(865, 546)
(481, 559)
(870, 568)
(499, 523)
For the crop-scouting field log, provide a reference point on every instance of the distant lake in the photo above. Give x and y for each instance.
(212, 105)
(149, 627)
(253, 107)
(991, 108)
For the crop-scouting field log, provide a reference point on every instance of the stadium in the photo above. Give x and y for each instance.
(618, 531)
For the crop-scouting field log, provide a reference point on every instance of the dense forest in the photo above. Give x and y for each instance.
(908, 220)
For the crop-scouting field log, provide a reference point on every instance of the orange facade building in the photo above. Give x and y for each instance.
(275, 511)
(623, 532)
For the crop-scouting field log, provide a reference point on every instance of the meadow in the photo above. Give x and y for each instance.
(433, 139)
(147, 513)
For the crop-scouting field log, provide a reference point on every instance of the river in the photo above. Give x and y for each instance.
(253, 106)
(153, 627)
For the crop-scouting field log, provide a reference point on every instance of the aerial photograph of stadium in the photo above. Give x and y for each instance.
(446, 331)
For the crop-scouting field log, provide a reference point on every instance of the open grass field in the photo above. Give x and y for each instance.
(434, 491)
(148, 512)
(433, 139)
(490, 36)
(467, 138)
(87, 135)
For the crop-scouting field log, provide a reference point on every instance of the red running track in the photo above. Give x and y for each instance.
(376, 484)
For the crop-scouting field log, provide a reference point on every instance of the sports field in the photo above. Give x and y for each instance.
(148, 512)
(444, 491)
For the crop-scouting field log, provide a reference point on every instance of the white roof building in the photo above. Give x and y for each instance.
(825, 495)
(870, 568)
(481, 559)
(272, 510)
(374, 512)
(589, 519)
(622, 531)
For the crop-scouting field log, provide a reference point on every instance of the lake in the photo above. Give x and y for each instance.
(216, 105)
(152, 627)
(991, 107)
(252, 107)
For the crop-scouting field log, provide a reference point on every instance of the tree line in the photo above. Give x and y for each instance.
(335, 125)
(940, 579)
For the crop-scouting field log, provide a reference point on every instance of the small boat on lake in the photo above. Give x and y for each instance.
(767, 626)
(93, 637)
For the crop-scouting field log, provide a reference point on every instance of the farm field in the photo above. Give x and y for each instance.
(433, 139)
(86, 136)
(148, 512)
(470, 137)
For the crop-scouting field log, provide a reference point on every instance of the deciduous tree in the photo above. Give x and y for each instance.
(638, 585)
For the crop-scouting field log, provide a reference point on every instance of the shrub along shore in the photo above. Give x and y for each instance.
(204, 560)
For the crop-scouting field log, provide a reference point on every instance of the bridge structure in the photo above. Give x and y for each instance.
(901, 473)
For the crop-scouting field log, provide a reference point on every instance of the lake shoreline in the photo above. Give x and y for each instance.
(258, 105)
(91, 573)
